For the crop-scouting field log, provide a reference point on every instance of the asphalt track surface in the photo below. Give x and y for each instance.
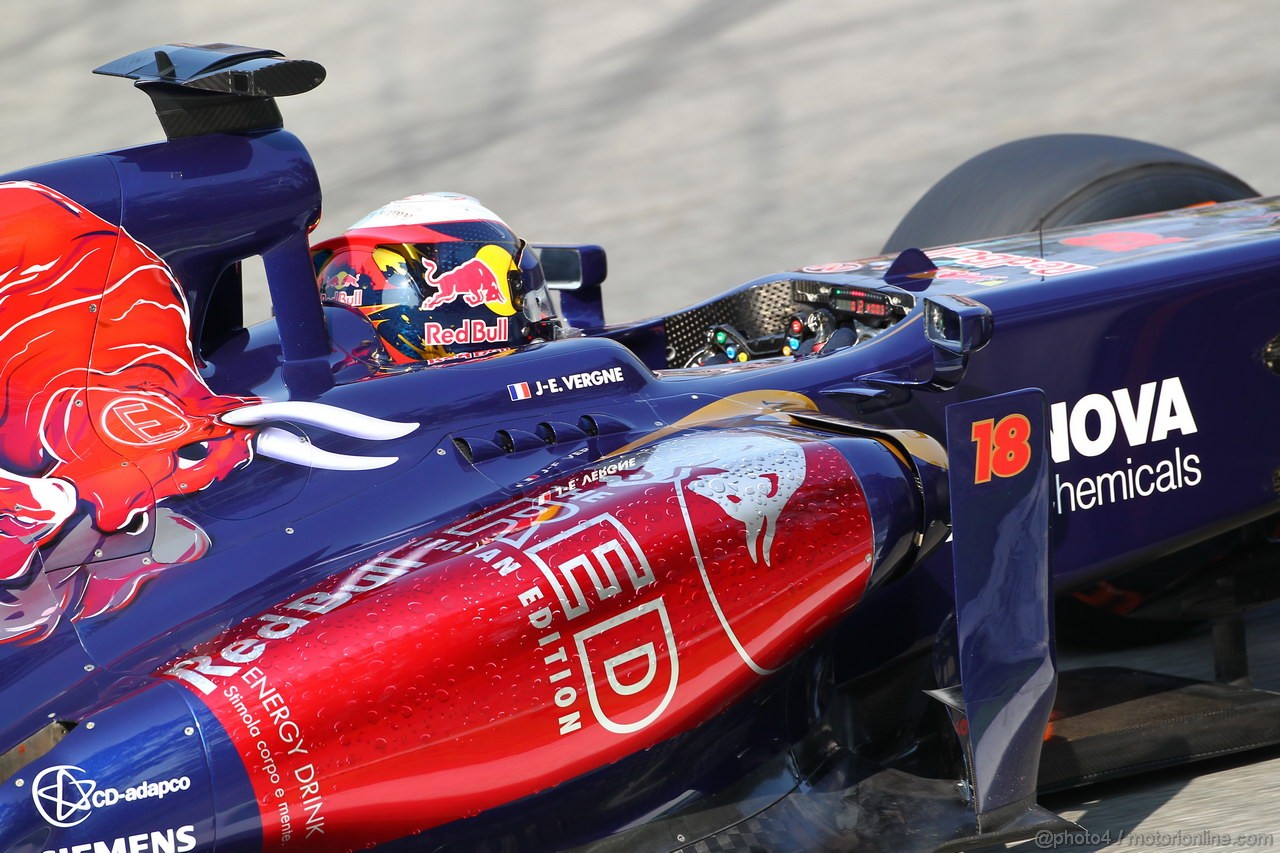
(705, 143)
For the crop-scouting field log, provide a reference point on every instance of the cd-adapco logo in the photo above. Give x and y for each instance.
(62, 800)
(65, 797)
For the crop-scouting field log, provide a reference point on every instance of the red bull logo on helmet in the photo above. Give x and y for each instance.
(482, 280)
(472, 331)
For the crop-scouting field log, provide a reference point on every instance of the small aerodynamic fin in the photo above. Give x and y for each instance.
(215, 88)
(911, 270)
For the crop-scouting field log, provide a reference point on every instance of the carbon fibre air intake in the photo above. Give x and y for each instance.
(215, 88)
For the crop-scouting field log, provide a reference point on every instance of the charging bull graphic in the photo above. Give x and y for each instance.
(750, 476)
(475, 282)
(104, 411)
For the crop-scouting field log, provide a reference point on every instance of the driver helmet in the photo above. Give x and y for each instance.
(438, 275)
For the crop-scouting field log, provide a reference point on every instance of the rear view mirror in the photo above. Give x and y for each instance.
(956, 326)
(572, 266)
(575, 272)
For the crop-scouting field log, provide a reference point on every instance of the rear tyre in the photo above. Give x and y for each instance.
(1058, 180)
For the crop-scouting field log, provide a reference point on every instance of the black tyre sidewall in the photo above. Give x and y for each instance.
(1059, 180)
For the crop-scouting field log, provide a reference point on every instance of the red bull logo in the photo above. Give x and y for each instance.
(478, 281)
(103, 396)
(104, 406)
(470, 332)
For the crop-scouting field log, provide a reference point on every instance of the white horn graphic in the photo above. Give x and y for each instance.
(287, 447)
(331, 418)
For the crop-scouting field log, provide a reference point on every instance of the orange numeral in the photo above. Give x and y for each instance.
(1003, 447)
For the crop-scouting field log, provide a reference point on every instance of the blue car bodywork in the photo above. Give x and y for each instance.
(1011, 420)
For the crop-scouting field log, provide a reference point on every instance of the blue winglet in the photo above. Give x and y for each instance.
(911, 270)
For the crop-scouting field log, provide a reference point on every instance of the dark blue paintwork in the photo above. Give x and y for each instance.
(105, 765)
(1004, 648)
(206, 202)
(198, 204)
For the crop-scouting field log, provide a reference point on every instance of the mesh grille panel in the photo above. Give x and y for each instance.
(762, 310)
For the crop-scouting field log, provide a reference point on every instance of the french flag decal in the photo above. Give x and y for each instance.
(519, 391)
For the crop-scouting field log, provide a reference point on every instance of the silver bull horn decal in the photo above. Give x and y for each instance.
(331, 418)
(287, 447)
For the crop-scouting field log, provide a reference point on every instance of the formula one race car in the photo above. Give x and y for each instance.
(425, 562)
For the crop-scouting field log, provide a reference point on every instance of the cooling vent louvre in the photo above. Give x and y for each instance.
(507, 440)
